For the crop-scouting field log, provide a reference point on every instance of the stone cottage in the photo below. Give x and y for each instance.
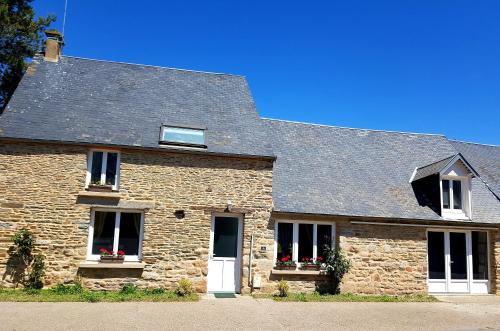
(134, 173)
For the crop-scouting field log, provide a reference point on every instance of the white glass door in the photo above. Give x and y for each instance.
(225, 252)
(457, 262)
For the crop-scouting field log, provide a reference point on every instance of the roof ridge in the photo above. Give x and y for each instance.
(349, 128)
(474, 143)
(152, 66)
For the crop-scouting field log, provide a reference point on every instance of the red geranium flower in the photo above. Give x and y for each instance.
(121, 252)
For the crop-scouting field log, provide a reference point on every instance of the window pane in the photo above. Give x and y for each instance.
(225, 237)
(95, 170)
(324, 238)
(457, 194)
(479, 255)
(446, 194)
(104, 231)
(285, 240)
(184, 135)
(435, 248)
(111, 168)
(305, 241)
(130, 227)
(458, 256)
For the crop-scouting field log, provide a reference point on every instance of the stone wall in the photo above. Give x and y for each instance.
(385, 259)
(39, 189)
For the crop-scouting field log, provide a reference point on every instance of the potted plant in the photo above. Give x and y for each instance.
(108, 256)
(285, 263)
(99, 187)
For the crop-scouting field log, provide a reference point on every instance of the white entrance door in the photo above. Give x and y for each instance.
(457, 261)
(224, 262)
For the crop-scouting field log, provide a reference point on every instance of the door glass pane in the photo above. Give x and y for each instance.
(305, 241)
(104, 231)
(225, 237)
(479, 255)
(458, 256)
(435, 248)
(95, 169)
(324, 238)
(446, 194)
(285, 240)
(457, 194)
(111, 168)
(130, 227)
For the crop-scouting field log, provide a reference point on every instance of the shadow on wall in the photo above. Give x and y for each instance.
(109, 273)
(15, 269)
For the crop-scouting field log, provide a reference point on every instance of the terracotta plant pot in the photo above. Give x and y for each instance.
(285, 267)
(310, 267)
(111, 259)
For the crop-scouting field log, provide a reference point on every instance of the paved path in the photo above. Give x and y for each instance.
(246, 313)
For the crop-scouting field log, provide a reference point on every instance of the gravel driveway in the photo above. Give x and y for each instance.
(247, 313)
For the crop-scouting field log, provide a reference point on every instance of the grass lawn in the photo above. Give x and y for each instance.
(78, 294)
(316, 297)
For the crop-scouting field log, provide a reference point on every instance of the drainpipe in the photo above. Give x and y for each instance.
(250, 264)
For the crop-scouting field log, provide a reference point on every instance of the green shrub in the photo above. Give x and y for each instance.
(159, 290)
(67, 289)
(37, 272)
(184, 288)
(24, 267)
(283, 288)
(337, 265)
(90, 296)
(128, 289)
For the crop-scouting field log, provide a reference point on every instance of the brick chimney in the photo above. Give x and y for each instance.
(53, 45)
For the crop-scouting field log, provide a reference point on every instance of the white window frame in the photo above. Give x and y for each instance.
(451, 213)
(295, 240)
(90, 159)
(116, 238)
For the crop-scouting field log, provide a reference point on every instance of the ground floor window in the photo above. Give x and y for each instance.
(303, 240)
(116, 231)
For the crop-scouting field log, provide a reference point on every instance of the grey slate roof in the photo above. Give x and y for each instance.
(485, 159)
(341, 171)
(90, 101)
(432, 168)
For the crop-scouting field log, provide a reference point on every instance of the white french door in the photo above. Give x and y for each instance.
(224, 261)
(457, 261)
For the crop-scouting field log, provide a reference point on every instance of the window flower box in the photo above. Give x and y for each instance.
(285, 266)
(308, 263)
(100, 188)
(109, 257)
(310, 267)
(285, 263)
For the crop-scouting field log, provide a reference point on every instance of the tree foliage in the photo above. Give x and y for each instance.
(20, 38)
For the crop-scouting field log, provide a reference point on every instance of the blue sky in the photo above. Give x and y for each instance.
(419, 66)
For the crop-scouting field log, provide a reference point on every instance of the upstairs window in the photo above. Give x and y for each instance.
(103, 169)
(452, 194)
(183, 136)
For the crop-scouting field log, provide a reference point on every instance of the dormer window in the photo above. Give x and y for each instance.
(446, 187)
(183, 136)
(452, 194)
